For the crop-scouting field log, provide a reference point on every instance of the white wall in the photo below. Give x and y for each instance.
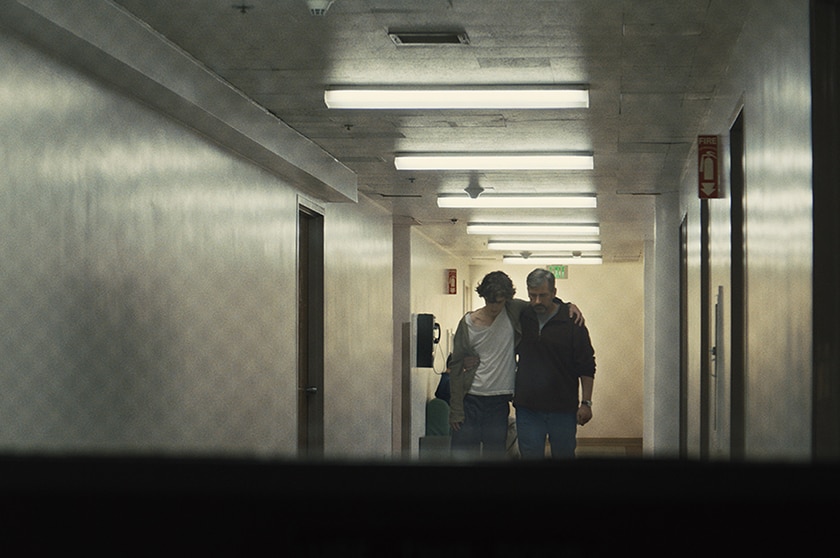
(358, 330)
(770, 74)
(662, 333)
(429, 295)
(148, 282)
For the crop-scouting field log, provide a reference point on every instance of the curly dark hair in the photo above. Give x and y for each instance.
(495, 286)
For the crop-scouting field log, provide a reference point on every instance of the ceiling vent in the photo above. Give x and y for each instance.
(427, 38)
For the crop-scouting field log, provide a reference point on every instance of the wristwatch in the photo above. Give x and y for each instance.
(587, 402)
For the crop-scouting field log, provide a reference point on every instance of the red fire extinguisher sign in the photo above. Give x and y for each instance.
(707, 167)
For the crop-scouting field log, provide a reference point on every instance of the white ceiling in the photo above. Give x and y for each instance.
(652, 67)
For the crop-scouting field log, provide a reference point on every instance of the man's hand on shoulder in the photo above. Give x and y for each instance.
(576, 315)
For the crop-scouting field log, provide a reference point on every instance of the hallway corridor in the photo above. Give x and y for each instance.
(209, 273)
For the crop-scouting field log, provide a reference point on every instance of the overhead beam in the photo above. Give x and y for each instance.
(103, 39)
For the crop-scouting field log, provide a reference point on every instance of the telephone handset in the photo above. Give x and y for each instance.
(436, 333)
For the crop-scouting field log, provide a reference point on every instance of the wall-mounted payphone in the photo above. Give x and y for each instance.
(425, 334)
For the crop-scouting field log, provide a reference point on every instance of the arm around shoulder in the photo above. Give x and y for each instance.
(576, 315)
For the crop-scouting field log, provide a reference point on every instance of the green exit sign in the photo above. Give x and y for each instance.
(559, 271)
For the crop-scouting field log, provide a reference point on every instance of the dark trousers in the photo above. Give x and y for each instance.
(485, 427)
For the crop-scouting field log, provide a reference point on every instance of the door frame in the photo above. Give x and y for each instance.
(684, 346)
(825, 121)
(738, 287)
(705, 330)
(310, 328)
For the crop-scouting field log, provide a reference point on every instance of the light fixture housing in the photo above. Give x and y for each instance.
(319, 7)
(545, 246)
(553, 260)
(531, 229)
(494, 161)
(519, 201)
(457, 97)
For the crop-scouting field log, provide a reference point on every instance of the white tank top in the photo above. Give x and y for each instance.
(497, 367)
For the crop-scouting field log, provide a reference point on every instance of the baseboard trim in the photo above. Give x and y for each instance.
(619, 447)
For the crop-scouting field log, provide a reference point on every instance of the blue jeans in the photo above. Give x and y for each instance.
(485, 426)
(533, 426)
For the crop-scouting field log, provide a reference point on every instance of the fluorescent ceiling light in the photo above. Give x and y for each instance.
(533, 229)
(543, 246)
(515, 201)
(489, 97)
(494, 161)
(553, 260)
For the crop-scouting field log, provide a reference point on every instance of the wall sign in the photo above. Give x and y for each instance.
(707, 167)
(559, 271)
(452, 281)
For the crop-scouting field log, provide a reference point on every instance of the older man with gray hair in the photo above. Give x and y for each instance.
(555, 357)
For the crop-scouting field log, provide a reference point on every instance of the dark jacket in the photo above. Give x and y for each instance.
(551, 362)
